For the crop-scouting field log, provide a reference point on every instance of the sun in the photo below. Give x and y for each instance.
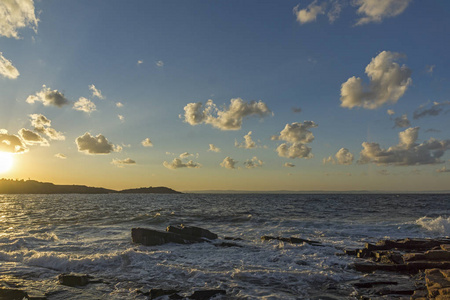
(6, 161)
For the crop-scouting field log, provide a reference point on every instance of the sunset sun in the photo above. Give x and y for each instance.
(6, 161)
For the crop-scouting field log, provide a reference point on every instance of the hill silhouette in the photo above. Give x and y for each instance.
(9, 186)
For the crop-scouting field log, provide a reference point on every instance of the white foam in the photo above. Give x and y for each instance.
(439, 225)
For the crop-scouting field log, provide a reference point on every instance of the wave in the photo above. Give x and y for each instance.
(439, 224)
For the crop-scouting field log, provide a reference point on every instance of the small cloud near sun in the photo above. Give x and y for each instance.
(60, 156)
(160, 63)
(147, 143)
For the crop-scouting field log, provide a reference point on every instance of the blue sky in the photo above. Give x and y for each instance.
(349, 78)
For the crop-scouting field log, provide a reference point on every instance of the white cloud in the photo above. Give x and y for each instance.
(435, 110)
(7, 69)
(177, 163)
(95, 145)
(60, 156)
(48, 97)
(253, 163)
(297, 135)
(121, 163)
(310, 13)
(402, 121)
(85, 105)
(288, 165)
(119, 104)
(388, 82)
(443, 170)
(160, 63)
(43, 125)
(140, 62)
(185, 155)
(296, 150)
(248, 142)
(213, 148)
(228, 163)
(335, 11)
(344, 157)
(407, 152)
(16, 14)
(32, 138)
(377, 10)
(147, 143)
(390, 112)
(230, 118)
(121, 118)
(96, 92)
(11, 143)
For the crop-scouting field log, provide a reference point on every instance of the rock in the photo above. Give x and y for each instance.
(434, 255)
(292, 240)
(407, 244)
(227, 244)
(370, 284)
(445, 247)
(438, 283)
(12, 294)
(73, 280)
(192, 231)
(155, 293)
(150, 237)
(206, 294)
(230, 238)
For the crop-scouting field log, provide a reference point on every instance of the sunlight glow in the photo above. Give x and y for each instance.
(6, 161)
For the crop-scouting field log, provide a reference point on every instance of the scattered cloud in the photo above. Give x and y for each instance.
(121, 118)
(443, 170)
(288, 165)
(119, 104)
(435, 110)
(160, 63)
(48, 97)
(342, 157)
(6, 68)
(185, 155)
(296, 135)
(390, 112)
(213, 148)
(248, 143)
(147, 143)
(377, 10)
(310, 13)
(388, 82)
(16, 14)
(297, 109)
(228, 163)
(95, 144)
(96, 92)
(335, 11)
(253, 163)
(32, 138)
(296, 150)
(85, 105)
(402, 121)
(60, 156)
(230, 118)
(121, 163)
(11, 143)
(140, 62)
(43, 125)
(177, 163)
(407, 152)
(430, 68)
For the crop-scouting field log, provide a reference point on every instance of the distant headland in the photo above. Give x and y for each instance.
(10, 186)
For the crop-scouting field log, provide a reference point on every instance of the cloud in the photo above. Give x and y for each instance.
(296, 135)
(43, 125)
(121, 118)
(390, 112)
(11, 143)
(248, 142)
(96, 92)
(344, 157)
(119, 104)
(228, 163)
(443, 170)
(310, 13)
(402, 121)
(430, 69)
(16, 14)
(388, 82)
(160, 63)
(85, 105)
(288, 165)
(6, 68)
(147, 143)
(407, 152)
(253, 163)
(177, 163)
(95, 145)
(48, 97)
(335, 11)
(32, 138)
(140, 62)
(60, 156)
(296, 150)
(230, 118)
(377, 10)
(435, 110)
(213, 148)
(121, 163)
(185, 155)
(297, 109)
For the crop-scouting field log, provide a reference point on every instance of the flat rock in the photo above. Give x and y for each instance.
(438, 283)
(74, 280)
(192, 231)
(206, 294)
(150, 237)
(292, 240)
(12, 294)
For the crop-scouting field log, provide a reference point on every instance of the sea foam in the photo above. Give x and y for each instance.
(440, 225)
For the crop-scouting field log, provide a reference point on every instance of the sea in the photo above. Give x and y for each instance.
(42, 236)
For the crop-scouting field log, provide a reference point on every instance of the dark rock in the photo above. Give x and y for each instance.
(73, 279)
(150, 237)
(434, 255)
(206, 294)
(407, 244)
(12, 294)
(292, 240)
(192, 231)
(227, 244)
(371, 284)
(155, 293)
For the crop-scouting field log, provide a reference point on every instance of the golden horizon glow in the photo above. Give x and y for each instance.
(6, 161)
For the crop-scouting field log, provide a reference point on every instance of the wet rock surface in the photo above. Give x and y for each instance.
(292, 240)
(173, 234)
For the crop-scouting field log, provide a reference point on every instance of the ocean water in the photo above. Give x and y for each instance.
(42, 236)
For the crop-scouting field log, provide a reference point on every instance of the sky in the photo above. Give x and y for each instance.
(323, 95)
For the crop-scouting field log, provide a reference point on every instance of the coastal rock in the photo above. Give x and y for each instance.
(74, 280)
(407, 244)
(12, 294)
(192, 231)
(155, 293)
(438, 283)
(292, 240)
(206, 294)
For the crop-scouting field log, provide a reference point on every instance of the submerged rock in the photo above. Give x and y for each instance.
(206, 294)
(155, 293)
(12, 294)
(173, 234)
(292, 240)
(74, 280)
